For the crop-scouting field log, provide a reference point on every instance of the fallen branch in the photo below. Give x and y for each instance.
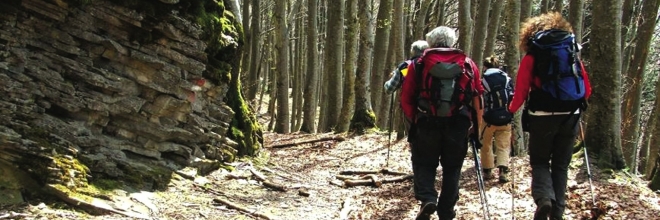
(303, 192)
(337, 183)
(374, 181)
(365, 172)
(296, 143)
(343, 177)
(267, 183)
(232, 205)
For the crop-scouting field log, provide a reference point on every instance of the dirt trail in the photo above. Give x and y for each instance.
(311, 168)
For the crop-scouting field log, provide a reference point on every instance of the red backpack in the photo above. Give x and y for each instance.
(446, 80)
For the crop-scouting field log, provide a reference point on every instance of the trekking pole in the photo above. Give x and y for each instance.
(513, 190)
(480, 181)
(389, 136)
(586, 160)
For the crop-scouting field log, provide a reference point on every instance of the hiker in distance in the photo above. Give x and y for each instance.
(400, 73)
(497, 120)
(437, 99)
(553, 80)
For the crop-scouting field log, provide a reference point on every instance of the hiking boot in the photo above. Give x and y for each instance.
(488, 174)
(425, 212)
(504, 174)
(543, 208)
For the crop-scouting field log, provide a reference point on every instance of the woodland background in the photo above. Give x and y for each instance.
(324, 63)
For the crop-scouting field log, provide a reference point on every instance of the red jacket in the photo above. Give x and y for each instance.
(408, 90)
(525, 82)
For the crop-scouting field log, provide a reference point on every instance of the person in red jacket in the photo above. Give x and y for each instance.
(440, 126)
(552, 122)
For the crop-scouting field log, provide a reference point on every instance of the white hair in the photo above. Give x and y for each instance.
(442, 36)
(418, 47)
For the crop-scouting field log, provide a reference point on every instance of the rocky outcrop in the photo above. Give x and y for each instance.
(103, 91)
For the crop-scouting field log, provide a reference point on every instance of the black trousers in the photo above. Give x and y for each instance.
(551, 141)
(439, 141)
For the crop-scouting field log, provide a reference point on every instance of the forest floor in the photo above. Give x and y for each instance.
(312, 167)
(309, 174)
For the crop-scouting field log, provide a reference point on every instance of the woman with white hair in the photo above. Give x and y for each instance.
(438, 100)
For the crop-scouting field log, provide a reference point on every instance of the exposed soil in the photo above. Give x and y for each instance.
(311, 168)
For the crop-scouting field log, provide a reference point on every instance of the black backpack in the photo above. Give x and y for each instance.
(498, 96)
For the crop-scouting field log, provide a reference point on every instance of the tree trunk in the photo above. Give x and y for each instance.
(252, 82)
(421, 21)
(282, 48)
(637, 68)
(512, 61)
(604, 122)
(382, 41)
(545, 6)
(628, 32)
(245, 61)
(525, 9)
(352, 35)
(559, 6)
(440, 13)
(654, 136)
(480, 33)
(333, 63)
(464, 26)
(575, 16)
(655, 178)
(311, 90)
(364, 117)
(394, 56)
(493, 28)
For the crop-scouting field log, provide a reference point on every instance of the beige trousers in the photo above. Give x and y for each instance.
(501, 135)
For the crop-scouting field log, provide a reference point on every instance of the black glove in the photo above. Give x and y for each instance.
(474, 138)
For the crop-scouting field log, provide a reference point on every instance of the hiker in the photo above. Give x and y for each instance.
(438, 99)
(395, 81)
(553, 81)
(497, 120)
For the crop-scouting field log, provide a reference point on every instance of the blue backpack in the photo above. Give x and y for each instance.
(557, 65)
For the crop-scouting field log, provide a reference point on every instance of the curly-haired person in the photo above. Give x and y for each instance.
(556, 86)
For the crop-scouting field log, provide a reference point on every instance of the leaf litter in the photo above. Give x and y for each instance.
(312, 166)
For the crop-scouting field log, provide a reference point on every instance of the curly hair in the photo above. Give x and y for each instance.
(491, 62)
(550, 20)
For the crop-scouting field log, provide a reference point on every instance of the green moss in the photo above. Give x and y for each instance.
(363, 121)
(244, 122)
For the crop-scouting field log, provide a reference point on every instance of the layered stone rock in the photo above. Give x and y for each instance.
(109, 90)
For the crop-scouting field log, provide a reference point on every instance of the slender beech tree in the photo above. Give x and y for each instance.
(464, 25)
(480, 33)
(576, 17)
(440, 13)
(636, 69)
(333, 63)
(381, 45)
(545, 6)
(493, 27)
(352, 36)
(512, 59)
(559, 6)
(310, 97)
(604, 121)
(252, 82)
(421, 21)
(525, 9)
(364, 117)
(282, 124)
